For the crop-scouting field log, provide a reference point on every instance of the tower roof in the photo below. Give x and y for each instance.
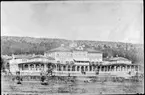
(90, 50)
(117, 59)
(60, 49)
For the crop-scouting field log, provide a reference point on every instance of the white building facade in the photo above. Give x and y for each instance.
(67, 61)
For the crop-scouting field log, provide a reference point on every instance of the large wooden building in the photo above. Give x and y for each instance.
(75, 61)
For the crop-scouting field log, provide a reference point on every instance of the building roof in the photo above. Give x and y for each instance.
(32, 57)
(67, 49)
(42, 57)
(116, 59)
(93, 50)
(22, 56)
(62, 49)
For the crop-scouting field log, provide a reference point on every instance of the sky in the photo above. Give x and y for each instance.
(114, 20)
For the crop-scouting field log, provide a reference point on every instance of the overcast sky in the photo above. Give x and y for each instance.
(117, 20)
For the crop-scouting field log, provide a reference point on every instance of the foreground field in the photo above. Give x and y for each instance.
(59, 87)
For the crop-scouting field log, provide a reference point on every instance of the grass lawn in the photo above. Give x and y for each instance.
(59, 87)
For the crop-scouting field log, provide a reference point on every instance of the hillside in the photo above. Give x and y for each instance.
(28, 45)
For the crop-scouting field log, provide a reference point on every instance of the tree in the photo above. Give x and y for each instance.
(3, 64)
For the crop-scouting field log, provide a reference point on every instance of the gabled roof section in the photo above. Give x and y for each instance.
(74, 49)
(117, 59)
(22, 56)
(42, 57)
(32, 57)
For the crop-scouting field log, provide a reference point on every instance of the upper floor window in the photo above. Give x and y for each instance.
(86, 69)
(90, 68)
(78, 68)
(73, 68)
(64, 68)
(31, 66)
(69, 68)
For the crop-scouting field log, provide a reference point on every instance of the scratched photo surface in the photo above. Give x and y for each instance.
(72, 47)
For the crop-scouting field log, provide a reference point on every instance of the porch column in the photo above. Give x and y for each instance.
(130, 68)
(119, 68)
(28, 66)
(88, 67)
(45, 67)
(123, 68)
(76, 68)
(23, 66)
(39, 66)
(104, 69)
(110, 68)
(56, 67)
(126, 68)
(115, 68)
(62, 68)
(20, 67)
(70, 68)
(66, 67)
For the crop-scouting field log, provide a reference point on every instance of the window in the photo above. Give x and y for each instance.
(31, 66)
(26, 67)
(73, 68)
(64, 68)
(90, 68)
(78, 68)
(42, 65)
(86, 69)
(82, 68)
(59, 68)
(37, 66)
(68, 68)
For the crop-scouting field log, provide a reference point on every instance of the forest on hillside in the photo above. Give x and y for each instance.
(29, 45)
